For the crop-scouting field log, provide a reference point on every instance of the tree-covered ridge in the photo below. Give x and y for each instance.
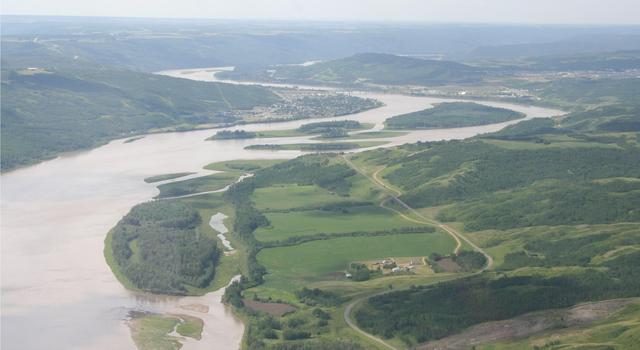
(526, 130)
(452, 115)
(52, 111)
(376, 68)
(498, 187)
(157, 248)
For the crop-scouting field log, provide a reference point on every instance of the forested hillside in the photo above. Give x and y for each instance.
(557, 208)
(373, 68)
(48, 111)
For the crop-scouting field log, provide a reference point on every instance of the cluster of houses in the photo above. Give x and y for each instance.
(393, 265)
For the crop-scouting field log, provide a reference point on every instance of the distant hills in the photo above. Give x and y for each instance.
(376, 68)
(571, 46)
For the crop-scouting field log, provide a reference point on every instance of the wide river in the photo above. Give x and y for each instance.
(57, 290)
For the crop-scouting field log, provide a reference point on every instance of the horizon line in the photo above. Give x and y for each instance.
(329, 21)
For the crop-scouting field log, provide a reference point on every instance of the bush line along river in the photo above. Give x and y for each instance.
(59, 293)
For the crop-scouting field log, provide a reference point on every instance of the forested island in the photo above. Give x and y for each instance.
(156, 248)
(452, 115)
(233, 135)
(328, 129)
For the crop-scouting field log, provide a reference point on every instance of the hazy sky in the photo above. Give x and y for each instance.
(485, 11)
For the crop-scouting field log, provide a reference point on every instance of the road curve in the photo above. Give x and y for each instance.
(394, 193)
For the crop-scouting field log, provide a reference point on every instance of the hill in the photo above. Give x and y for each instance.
(47, 111)
(553, 202)
(376, 68)
(579, 44)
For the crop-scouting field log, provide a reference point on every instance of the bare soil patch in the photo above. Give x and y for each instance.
(273, 309)
(448, 265)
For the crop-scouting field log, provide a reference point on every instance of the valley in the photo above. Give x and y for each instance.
(406, 186)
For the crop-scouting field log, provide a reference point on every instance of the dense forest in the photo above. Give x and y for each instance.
(157, 248)
(452, 115)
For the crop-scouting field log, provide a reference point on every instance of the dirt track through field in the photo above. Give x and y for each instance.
(393, 193)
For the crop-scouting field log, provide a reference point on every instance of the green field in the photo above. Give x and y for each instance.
(242, 165)
(280, 133)
(201, 184)
(312, 222)
(292, 267)
(289, 196)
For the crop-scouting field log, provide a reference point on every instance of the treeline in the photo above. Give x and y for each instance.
(230, 135)
(295, 240)
(156, 247)
(428, 313)
(530, 129)
(322, 127)
(452, 115)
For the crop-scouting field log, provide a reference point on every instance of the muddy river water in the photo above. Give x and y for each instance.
(57, 290)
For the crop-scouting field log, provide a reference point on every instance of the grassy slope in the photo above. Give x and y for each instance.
(620, 331)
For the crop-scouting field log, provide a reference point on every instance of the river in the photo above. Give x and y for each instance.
(57, 290)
